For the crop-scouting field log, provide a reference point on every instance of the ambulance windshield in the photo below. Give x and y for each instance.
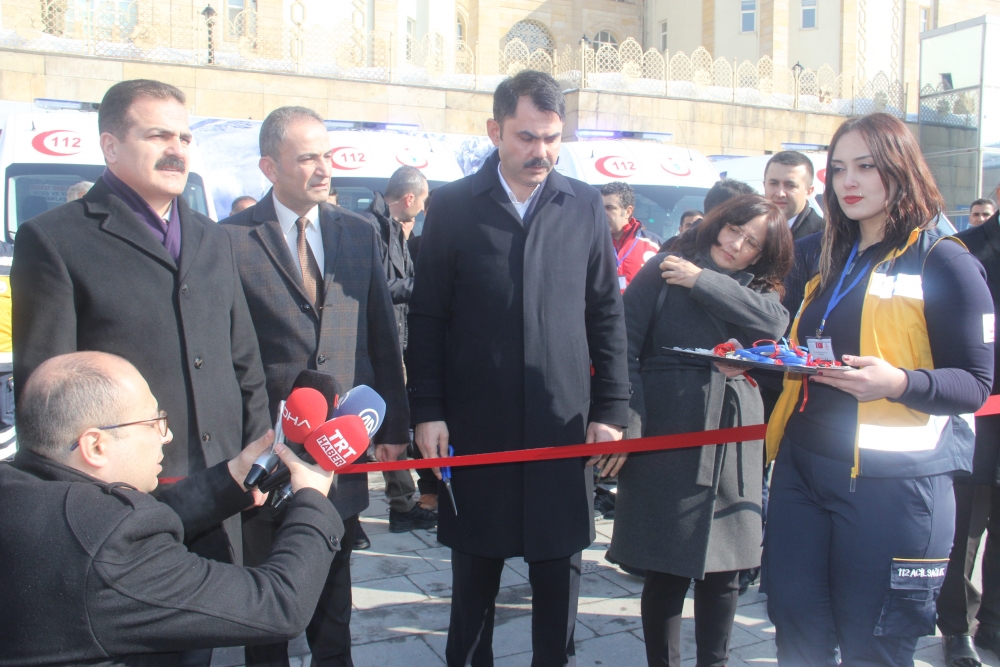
(35, 188)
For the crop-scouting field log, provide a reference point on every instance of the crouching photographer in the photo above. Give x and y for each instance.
(95, 569)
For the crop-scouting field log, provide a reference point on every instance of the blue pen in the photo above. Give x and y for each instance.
(446, 478)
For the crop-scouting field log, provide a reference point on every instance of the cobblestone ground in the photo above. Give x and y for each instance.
(402, 587)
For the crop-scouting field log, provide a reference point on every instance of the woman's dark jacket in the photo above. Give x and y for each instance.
(691, 511)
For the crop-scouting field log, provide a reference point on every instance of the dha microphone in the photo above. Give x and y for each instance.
(366, 403)
(315, 399)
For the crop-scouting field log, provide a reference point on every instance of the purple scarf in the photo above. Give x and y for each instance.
(169, 235)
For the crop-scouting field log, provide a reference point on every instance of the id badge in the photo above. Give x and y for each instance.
(622, 283)
(821, 348)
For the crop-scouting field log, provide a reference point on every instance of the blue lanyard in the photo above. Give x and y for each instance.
(837, 295)
(627, 252)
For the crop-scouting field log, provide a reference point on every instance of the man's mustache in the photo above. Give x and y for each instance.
(170, 162)
(538, 162)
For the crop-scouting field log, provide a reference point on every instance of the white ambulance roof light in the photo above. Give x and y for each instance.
(804, 147)
(71, 105)
(623, 134)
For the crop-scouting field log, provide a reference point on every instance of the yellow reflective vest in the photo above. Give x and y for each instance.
(891, 440)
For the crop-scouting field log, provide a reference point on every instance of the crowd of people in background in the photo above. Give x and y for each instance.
(153, 348)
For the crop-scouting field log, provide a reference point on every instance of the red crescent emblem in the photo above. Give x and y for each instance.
(821, 175)
(408, 159)
(347, 158)
(615, 166)
(675, 168)
(62, 143)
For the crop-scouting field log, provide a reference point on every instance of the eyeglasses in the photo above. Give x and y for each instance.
(159, 423)
(735, 231)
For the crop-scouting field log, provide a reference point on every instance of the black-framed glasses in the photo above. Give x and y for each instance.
(737, 232)
(159, 423)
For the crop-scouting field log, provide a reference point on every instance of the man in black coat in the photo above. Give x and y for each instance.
(319, 300)
(517, 341)
(393, 216)
(788, 182)
(977, 503)
(130, 269)
(95, 569)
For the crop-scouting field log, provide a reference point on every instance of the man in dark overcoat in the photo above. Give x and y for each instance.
(977, 504)
(517, 341)
(319, 300)
(130, 269)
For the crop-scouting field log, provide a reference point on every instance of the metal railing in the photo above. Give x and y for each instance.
(152, 31)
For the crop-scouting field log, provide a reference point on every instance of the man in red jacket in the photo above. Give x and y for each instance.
(633, 244)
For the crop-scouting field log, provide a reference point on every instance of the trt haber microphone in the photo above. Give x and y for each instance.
(302, 413)
(268, 461)
(339, 442)
(366, 403)
(302, 416)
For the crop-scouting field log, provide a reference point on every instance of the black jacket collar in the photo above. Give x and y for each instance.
(487, 179)
(50, 470)
(121, 221)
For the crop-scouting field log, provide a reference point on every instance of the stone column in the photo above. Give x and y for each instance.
(708, 25)
(773, 17)
(849, 43)
(910, 55)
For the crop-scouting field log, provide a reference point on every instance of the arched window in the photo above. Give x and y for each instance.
(533, 34)
(460, 28)
(604, 37)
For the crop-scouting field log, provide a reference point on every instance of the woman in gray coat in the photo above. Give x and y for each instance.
(696, 513)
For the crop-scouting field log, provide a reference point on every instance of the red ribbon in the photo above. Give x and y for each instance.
(651, 444)
(655, 443)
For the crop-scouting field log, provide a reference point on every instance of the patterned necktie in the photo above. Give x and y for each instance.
(311, 277)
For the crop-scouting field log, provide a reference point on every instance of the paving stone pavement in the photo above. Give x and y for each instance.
(402, 587)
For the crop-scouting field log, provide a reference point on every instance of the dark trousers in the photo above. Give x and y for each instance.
(329, 631)
(715, 599)
(555, 590)
(860, 569)
(977, 510)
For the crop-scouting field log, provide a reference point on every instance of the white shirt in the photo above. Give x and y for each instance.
(314, 237)
(520, 207)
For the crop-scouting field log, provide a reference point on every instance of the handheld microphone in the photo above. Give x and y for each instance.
(312, 400)
(337, 443)
(268, 461)
(366, 403)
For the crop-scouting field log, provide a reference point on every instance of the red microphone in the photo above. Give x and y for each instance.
(304, 411)
(339, 442)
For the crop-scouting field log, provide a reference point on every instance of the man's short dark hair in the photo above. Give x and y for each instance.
(113, 116)
(693, 213)
(724, 190)
(626, 195)
(404, 181)
(543, 90)
(792, 159)
(983, 202)
(64, 397)
(241, 198)
(274, 129)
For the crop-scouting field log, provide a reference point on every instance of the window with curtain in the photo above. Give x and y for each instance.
(748, 15)
(808, 14)
(663, 36)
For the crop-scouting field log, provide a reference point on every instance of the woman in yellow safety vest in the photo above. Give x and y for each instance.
(862, 512)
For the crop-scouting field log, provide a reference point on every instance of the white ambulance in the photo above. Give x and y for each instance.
(668, 180)
(45, 151)
(364, 156)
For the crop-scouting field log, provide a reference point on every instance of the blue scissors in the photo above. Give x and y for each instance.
(446, 478)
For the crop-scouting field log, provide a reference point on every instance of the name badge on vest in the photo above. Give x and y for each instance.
(821, 348)
(622, 283)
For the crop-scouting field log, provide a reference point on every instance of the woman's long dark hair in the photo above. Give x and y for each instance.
(897, 157)
(775, 258)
